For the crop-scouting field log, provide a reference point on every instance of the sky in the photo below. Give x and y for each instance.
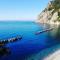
(21, 9)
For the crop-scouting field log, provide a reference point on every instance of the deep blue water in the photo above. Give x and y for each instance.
(30, 43)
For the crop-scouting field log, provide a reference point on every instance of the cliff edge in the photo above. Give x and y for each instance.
(51, 14)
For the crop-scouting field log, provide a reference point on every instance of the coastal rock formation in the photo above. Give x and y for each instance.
(3, 42)
(51, 14)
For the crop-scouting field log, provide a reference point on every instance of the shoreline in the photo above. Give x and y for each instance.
(49, 22)
(52, 53)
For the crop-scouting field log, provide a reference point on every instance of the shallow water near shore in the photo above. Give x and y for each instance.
(30, 43)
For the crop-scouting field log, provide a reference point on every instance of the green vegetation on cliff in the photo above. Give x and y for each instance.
(51, 13)
(55, 4)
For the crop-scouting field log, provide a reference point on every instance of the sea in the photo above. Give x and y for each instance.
(30, 44)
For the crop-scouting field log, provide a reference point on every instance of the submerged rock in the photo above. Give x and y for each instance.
(4, 51)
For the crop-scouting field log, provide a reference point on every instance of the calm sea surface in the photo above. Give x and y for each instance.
(30, 43)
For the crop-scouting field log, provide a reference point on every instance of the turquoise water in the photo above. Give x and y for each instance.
(30, 43)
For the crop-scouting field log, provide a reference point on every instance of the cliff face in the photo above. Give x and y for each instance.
(50, 13)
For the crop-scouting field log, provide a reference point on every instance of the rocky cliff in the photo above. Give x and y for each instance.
(51, 14)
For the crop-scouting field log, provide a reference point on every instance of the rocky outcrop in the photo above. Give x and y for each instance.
(49, 14)
(3, 42)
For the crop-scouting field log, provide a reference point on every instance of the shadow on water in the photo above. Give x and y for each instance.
(53, 37)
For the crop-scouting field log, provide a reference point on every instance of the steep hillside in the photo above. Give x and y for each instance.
(51, 14)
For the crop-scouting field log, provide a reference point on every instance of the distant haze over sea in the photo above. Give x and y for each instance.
(20, 20)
